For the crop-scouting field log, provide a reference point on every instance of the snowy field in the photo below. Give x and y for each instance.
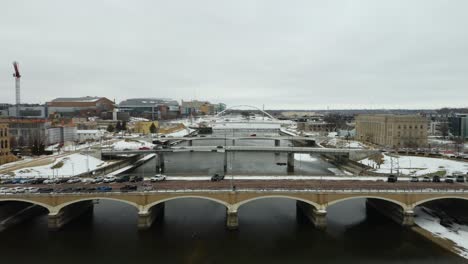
(458, 234)
(180, 133)
(304, 157)
(67, 166)
(130, 144)
(417, 166)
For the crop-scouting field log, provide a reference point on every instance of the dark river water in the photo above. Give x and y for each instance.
(193, 231)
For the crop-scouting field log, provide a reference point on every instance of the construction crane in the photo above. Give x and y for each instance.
(17, 76)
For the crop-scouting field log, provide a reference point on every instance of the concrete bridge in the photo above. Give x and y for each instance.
(233, 139)
(354, 154)
(397, 204)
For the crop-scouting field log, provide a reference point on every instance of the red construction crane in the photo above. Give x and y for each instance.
(17, 76)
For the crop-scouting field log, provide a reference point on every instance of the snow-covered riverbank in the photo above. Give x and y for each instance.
(458, 234)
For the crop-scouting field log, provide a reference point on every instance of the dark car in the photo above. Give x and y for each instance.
(62, 180)
(220, 147)
(104, 189)
(136, 179)
(128, 188)
(436, 179)
(426, 179)
(37, 181)
(392, 178)
(217, 177)
(7, 181)
(460, 178)
(125, 178)
(45, 190)
(449, 179)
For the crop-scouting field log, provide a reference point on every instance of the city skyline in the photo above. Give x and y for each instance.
(301, 55)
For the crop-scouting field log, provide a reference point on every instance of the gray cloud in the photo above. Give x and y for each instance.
(284, 54)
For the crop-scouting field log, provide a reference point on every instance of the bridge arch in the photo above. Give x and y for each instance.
(249, 106)
(439, 198)
(149, 206)
(46, 206)
(317, 206)
(403, 206)
(63, 205)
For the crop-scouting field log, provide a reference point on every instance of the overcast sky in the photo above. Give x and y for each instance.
(287, 54)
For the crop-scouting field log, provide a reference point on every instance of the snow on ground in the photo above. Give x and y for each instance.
(67, 166)
(332, 134)
(458, 234)
(131, 144)
(180, 133)
(304, 157)
(342, 143)
(418, 166)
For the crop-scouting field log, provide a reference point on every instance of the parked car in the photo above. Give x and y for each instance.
(62, 180)
(74, 180)
(449, 179)
(392, 178)
(217, 177)
(128, 188)
(426, 179)
(104, 189)
(45, 190)
(253, 135)
(460, 178)
(436, 179)
(50, 181)
(136, 179)
(158, 177)
(25, 181)
(144, 148)
(109, 179)
(125, 178)
(220, 147)
(7, 181)
(98, 179)
(414, 179)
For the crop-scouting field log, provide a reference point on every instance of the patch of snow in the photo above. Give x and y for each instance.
(304, 157)
(131, 145)
(456, 233)
(418, 166)
(73, 164)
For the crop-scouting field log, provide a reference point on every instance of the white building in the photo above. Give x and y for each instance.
(89, 135)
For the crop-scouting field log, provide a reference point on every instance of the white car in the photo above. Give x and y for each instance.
(73, 180)
(109, 179)
(97, 179)
(31, 189)
(50, 181)
(158, 177)
(17, 190)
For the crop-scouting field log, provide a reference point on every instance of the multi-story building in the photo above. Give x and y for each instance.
(5, 155)
(80, 106)
(24, 132)
(151, 108)
(392, 130)
(89, 135)
(458, 126)
(28, 111)
(195, 107)
(61, 134)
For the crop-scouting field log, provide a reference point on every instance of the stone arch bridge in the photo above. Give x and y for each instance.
(396, 204)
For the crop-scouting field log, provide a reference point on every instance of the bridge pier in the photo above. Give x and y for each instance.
(233, 142)
(147, 218)
(277, 142)
(190, 143)
(290, 162)
(317, 217)
(160, 167)
(392, 211)
(225, 165)
(57, 220)
(232, 220)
